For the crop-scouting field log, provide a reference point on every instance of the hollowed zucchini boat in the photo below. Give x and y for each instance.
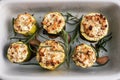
(53, 22)
(84, 56)
(50, 54)
(94, 26)
(25, 24)
(18, 52)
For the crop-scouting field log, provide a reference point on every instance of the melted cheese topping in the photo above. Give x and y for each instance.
(50, 54)
(17, 52)
(84, 56)
(53, 22)
(24, 23)
(94, 26)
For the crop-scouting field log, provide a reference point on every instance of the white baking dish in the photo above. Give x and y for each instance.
(9, 9)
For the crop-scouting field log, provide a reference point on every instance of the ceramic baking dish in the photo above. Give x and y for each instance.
(10, 8)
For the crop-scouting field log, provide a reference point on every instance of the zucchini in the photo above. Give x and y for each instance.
(25, 24)
(84, 55)
(53, 22)
(50, 54)
(18, 52)
(94, 26)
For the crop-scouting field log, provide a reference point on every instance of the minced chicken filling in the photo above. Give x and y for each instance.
(17, 52)
(95, 25)
(84, 56)
(24, 23)
(50, 54)
(53, 23)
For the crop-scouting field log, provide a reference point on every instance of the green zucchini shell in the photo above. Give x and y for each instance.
(50, 55)
(53, 22)
(18, 52)
(84, 55)
(94, 26)
(25, 24)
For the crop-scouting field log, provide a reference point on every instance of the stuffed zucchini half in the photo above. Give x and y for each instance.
(84, 56)
(25, 24)
(53, 22)
(50, 54)
(94, 26)
(18, 52)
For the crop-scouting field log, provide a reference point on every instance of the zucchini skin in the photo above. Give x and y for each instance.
(32, 31)
(27, 57)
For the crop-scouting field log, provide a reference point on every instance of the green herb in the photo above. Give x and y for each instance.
(76, 32)
(75, 35)
(77, 25)
(102, 43)
(75, 38)
(102, 47)
(104, 40)
(70, 19)
(30, 38)
(74, 18)
(65, 38)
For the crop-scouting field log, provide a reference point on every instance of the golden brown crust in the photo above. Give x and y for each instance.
(50, 54)
(24, 23)
(17, 52)
(84, 56)
(53, 22)
(94, 26)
